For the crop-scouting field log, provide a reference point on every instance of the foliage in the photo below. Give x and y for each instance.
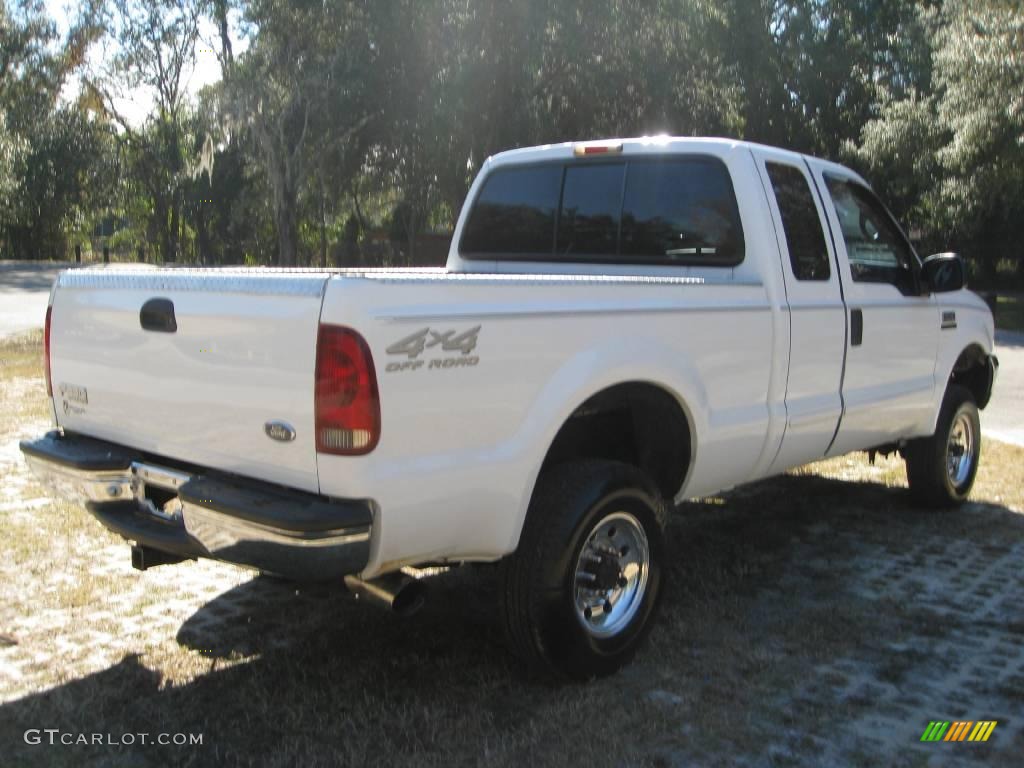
(954, 158)
(48, 151)
(59, 181)
(13, 151)
(299, 92)
(348, 131)
(29, 70)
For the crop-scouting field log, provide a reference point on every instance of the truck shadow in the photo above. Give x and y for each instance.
(795, 604)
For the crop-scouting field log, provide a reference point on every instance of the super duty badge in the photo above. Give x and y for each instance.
(427, 339)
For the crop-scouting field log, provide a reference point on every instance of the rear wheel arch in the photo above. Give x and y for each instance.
(637, 423)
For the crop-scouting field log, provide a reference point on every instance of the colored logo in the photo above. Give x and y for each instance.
(939, 730)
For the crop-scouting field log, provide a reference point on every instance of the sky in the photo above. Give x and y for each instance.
(137, 104)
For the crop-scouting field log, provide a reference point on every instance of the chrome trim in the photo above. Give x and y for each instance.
(213, 529)
(144, 475)
(617, 546)
(217, 531)
(960, 450)
(161, 477)
(81, 485)
(527, 312)
(556, 279)
(252, 281)
(396, 591)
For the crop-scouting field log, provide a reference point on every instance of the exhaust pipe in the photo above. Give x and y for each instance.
(397, 592)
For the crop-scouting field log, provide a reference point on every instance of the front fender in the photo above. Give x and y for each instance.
(991, 369)
(974, 329)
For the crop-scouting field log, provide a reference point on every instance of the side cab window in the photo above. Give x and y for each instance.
(805, 238)
(878, 250)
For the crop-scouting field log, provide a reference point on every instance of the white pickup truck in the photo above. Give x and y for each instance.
(621, 325)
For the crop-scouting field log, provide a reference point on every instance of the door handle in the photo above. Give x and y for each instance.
(158, 315)
(856, 327)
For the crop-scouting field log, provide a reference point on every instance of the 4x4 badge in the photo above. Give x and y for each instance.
(415, 344)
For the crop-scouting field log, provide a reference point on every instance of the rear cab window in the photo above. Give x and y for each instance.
(521, 207)
(664, 210)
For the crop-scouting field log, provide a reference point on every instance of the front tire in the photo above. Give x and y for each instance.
(580, 592)
(941, 468)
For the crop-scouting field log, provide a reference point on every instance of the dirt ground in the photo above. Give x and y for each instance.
(815, 619)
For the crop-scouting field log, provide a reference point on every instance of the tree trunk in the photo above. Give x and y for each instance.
(285, 169)
(411, 226)
(410, 257)
(358, 208)
(227, 56)
(202, 235)
(286, 250)
(287, 230)
(160, 213)
(323, 225)
(175, 227)
(285, 204)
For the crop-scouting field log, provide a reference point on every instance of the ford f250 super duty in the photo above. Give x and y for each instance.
(621, 325)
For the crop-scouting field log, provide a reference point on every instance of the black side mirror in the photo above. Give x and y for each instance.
(943, 272)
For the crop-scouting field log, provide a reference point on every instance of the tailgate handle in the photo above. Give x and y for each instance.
(158, 315)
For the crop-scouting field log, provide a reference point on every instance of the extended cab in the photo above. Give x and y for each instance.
(621, 325)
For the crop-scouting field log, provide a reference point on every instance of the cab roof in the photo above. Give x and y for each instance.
(644, 145)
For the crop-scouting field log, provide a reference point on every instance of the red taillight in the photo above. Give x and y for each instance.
(46, 352)
(346, 402)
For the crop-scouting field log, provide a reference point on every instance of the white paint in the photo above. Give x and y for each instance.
(461, 446)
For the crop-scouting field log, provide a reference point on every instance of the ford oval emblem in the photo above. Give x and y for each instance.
(279, 430)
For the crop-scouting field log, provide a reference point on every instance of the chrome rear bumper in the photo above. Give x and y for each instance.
(81, 485)
(192, 514)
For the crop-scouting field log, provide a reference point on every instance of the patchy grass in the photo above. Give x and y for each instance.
(21, 383)
(1009, 314)
(21, 355)
(812, 619)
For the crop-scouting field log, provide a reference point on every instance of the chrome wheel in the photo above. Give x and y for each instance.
(611, 574)
(960, 450)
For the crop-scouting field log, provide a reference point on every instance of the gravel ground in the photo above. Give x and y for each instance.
(815, 619)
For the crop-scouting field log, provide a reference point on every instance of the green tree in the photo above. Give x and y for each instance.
(30, 71)
(59, 182)
(980, 78)
(225, 198)
(299, 88)
(813, 72)
(13, 153)
(154, 45)
(951, 156)
(46, 151)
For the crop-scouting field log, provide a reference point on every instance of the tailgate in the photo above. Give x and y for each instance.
(226, 383)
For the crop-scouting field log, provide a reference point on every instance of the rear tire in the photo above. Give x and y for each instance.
(580, 592)
(941, 468)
